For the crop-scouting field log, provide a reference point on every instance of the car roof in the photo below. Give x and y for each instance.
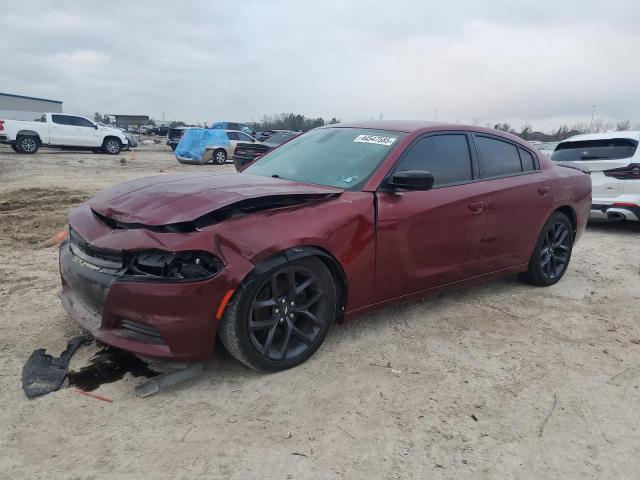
(634, 135)
(411, 126)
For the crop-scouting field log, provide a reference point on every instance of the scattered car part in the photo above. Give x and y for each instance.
(164, 380)
(43, 373)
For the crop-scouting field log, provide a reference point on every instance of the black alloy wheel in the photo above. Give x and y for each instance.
(552, 253)
(554, 256)
(281, 318)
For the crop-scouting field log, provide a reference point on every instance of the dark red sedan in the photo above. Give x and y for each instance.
(338, 222)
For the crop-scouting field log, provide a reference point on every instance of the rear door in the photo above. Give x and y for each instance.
(520, 199)
(430, 238)
(597, 156)
(62, 129)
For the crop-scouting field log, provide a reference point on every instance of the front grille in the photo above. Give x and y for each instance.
(94, 256)
(140, 332)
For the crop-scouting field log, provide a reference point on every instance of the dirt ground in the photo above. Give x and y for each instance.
(501, 380)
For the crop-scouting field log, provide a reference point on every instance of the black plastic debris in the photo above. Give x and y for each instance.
(43, 373)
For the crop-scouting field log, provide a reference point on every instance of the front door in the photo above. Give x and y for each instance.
(86, 134)
(430, 238)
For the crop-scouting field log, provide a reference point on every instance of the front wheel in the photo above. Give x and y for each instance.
(278, 319)
(112, 146)
(551, 256)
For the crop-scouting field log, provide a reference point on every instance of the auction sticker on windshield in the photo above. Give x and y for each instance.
(375, 139)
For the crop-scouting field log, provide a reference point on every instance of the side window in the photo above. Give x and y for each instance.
(232, 135)
(244, 137)
(446, 156)
(62, 119)
(233, 126)
(526, 157)
(82, 122)
(497, 158)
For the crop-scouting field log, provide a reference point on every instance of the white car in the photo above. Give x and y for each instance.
(613, 161)
(220, 154)
(61, 130)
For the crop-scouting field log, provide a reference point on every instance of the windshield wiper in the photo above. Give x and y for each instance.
(589, 157)
(275, 175)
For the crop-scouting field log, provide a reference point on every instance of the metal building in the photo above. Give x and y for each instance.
(19, 107)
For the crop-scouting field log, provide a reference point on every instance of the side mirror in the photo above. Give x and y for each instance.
(411, 180)
(95, 126)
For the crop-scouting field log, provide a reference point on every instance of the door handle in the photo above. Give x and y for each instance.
(543, 191)
(476, 207)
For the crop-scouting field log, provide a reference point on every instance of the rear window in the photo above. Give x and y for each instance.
(528, 163)
(497, 158)
(585, 150)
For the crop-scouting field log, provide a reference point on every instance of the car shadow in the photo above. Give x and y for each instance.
(625, 228)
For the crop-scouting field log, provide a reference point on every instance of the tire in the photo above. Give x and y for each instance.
(275, 330)
(112, 146)
(552, 253)
(27, 144)
(15, 148)
(219, 157)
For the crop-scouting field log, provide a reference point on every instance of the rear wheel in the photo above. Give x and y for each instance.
(27, 144)
(551, 256)
(219, 157)
(278, 319)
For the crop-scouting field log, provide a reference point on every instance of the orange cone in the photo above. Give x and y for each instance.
(56, 239)
(133, 154)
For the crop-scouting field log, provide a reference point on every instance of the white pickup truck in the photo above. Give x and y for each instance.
(61, 131)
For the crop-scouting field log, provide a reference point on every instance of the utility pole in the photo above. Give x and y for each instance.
(436, 114)
(593, 111)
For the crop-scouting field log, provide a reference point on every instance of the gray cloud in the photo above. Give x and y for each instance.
(544, 62)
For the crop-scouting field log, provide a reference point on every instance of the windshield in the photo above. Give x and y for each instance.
(336, 157)
(280, 137)
(584, 150)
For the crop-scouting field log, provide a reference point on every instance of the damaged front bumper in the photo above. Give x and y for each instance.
(171, 321)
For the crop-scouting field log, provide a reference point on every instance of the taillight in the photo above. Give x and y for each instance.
(1, 125)
(630, 172)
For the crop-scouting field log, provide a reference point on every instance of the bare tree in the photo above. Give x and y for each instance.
(623, 126)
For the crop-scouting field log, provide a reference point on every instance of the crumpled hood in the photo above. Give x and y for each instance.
(167, 199)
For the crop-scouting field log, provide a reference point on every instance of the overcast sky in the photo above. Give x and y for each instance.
(544, 62)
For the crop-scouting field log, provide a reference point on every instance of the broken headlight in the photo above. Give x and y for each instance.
(190, 265)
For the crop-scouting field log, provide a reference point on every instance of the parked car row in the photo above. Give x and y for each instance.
(240, 144)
